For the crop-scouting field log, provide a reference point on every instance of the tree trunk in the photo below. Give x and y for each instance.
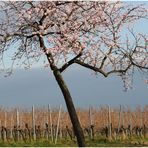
(71, 109)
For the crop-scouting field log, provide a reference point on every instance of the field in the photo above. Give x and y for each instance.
(47, 126)
(100, 142)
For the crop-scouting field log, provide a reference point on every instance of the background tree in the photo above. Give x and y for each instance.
(95, 35)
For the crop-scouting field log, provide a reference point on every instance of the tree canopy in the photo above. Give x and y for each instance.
(95, 35)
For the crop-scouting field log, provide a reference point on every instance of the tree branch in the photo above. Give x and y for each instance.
(105, 74)
(72, 61)
(91, 67)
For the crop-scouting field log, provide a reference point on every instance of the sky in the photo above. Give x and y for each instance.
(38, 87)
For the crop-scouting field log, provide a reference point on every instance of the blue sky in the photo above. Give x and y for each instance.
(37, 86)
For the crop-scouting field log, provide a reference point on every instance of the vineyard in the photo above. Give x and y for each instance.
(53, 124)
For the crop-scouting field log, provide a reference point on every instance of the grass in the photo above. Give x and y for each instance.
(97, 142)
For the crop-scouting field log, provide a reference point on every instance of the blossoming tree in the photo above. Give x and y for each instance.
(95, 35)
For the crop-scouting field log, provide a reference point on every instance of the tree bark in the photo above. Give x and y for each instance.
(71, 109)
